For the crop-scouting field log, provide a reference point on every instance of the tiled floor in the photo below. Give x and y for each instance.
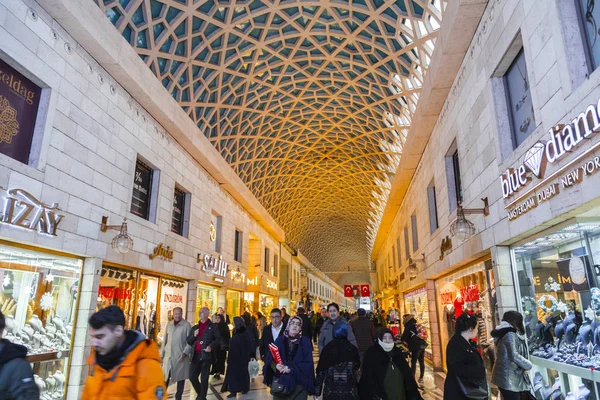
(433, 388)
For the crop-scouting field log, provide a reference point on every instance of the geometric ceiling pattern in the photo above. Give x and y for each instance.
(308, 101)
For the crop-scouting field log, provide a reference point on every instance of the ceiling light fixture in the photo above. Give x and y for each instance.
(462, 228)
(122, 243)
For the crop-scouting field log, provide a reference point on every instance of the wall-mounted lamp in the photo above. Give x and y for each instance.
(462, 228)
(122, 243)
(412, 269)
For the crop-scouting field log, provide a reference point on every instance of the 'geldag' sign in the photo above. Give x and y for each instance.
(561, 139)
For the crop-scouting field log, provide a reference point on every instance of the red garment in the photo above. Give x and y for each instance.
(458, 306)
(201, 328)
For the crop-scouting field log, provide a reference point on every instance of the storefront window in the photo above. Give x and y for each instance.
(38, 299)
(415, 302)
(173, 294)
(117, 287)
(234, 303)
(466, 291)
(266, 303)
(207, 297)
(558, 284)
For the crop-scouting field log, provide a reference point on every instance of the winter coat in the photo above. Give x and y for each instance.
(464, 361)
(511, 359)
(301, 364)
(138, 376)
(237, 378)
(16, 376)
(307, 329)
(174, 344)
(266, 339)
(374, 369)
(327, 333)
(336, 371)
(364, 330)
(318, 326)
(211, 338)
(415, 343)
(253, 333)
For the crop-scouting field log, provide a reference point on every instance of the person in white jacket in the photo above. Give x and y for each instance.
(175, 364)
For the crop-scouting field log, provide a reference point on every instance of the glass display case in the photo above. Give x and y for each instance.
(38, 298)
(557, 276)
(207, 297)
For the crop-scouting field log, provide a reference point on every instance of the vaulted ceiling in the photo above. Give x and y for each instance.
(308, 101)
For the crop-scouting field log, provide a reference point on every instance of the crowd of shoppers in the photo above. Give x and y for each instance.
(360, 360)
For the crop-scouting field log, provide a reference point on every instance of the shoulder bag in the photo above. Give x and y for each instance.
(472, 390)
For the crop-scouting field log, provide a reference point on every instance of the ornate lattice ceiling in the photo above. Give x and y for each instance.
(308, 101)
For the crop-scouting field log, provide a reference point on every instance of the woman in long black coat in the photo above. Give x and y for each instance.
(385, 372)
(218, 366)
(463, 359)
(237, 378)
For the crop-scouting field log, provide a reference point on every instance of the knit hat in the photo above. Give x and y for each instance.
(340, 331)
(406, 318)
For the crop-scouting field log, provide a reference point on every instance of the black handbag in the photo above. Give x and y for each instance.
(473, 390)
(278, 390)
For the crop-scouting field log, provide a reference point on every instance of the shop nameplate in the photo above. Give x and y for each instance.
(173, 298)
(22, 210)
(160, 251)
(565, 181)
(271, 284)
(213, 265)
(561, 140)
(114, 293)
(445, 247)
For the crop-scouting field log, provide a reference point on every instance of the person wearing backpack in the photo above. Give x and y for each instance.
(416, 345)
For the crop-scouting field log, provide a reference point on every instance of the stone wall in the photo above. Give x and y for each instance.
(474, 122)
(89, 142)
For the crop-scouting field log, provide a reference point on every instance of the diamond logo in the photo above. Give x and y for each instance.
(534, 157)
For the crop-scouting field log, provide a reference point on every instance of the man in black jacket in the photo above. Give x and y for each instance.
(319, 325)
(16, 376)
(306, 324)
(203, 338)
(270, 333)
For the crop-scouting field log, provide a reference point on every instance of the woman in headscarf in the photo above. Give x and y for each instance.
(385, 372)
(218, 366)
(338, 366)
(252, 330)
(296, 372)
(237, 378)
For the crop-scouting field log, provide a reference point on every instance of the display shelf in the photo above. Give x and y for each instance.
(569, 369)
(52, 356)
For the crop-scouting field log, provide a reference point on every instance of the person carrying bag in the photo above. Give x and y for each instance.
(511, 366)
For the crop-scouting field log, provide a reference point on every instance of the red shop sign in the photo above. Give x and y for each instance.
(173, 298)
(112, 292)
(468, 293)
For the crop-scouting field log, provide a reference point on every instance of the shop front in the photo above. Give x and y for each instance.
(39, 299)
(558, 273)
(146, 299)
(468, 290)
(207, 297)
(415, 302)
(262, 294)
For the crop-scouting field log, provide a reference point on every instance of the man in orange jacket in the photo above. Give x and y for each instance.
(123, 364)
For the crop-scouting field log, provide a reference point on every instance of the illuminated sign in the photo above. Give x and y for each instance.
(468, 293)
(22, 210)
(213, 265)
(271, 284)
(561, 140)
